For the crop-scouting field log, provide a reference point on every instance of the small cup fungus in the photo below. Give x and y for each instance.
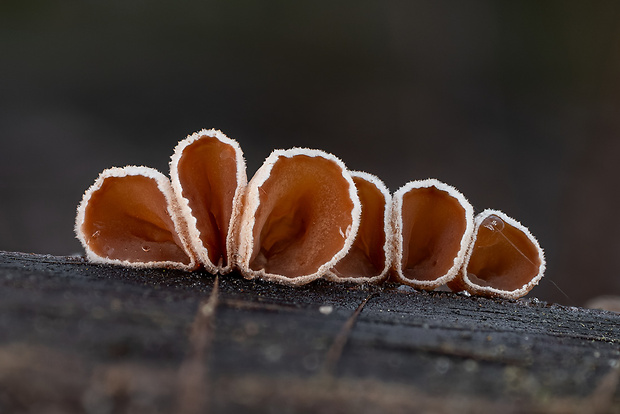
(130, 217)
(433, 224)
(370, 256)
(503, 260)
(208, 178)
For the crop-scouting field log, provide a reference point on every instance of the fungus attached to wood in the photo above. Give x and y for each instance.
(130, 217)
(433, 224)
(504, 259)
(370, 256)
(300, 217)
(208, 177)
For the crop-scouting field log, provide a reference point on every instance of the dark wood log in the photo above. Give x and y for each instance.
(78, 337)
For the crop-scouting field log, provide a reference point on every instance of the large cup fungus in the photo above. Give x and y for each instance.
(300, 217)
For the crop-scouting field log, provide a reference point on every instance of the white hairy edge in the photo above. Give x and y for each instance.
(387, 229)
(397, 220)
(252, 202)
(491, 291)
(186, 211)
(163, 184)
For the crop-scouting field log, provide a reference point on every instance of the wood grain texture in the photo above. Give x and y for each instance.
(77, 337)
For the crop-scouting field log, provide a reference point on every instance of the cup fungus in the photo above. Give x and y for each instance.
(208, 178)
(433, 224)
(300, 217)
(504, 259)
(130, 217)
(370, 256)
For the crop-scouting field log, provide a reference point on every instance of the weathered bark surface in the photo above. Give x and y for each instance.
(77, 337)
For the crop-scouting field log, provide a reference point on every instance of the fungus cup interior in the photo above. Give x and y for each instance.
(207, 172)
(503, 256)
(127, 219)
(303, 217)
(434, 223)
(367, 256)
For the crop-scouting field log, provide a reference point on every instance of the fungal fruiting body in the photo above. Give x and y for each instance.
(503, 260)
(370, 256)
(433, 225)
(130, 217)
(208, 178)
(301, 216)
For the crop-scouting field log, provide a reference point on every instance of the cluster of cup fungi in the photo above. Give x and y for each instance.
(302, 216)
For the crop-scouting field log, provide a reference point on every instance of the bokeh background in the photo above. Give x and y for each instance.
(514, 103)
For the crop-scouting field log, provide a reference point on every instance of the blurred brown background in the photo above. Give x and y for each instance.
(514, 103)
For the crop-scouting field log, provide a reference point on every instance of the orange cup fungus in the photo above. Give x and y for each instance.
(504, 259)
(433, 224)
(302, 216)
(209, 178)
(370, 257)
(130, 217)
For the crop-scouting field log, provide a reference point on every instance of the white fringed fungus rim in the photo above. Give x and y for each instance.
(397, 217)
(491, 291)
(163, 184)
(387, 228)
(186, 211)
(252, 202)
